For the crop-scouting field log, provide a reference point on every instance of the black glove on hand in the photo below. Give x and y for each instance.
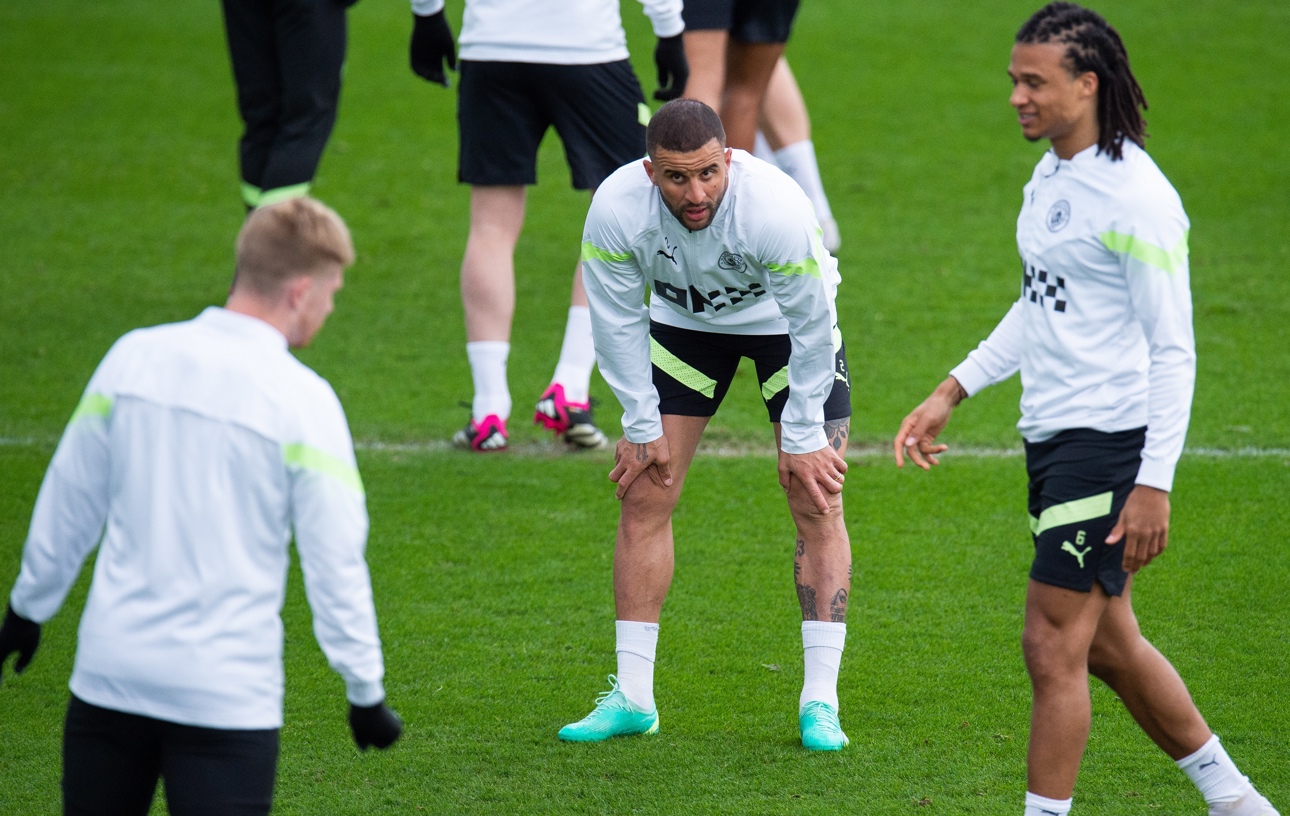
(432, 45)
(673, 70)
(374, 725)
(20, 635)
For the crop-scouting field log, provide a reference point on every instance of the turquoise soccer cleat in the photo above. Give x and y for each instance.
(821, 730)
(613, 716)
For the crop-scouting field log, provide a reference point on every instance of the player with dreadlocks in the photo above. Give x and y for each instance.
(1102, 336)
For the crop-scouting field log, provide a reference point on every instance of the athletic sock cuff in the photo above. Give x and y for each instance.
(638, 638)
(824, 633)
(1060, 807)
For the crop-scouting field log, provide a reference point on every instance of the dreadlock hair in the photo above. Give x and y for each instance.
(1093, 45)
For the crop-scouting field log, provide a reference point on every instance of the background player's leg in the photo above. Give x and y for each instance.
(748, 70)
(488, 293)
(248, 26)
(111, 761)
(310, 39)
(787, 128)
(705, 50)
(216, 772)
(565, 406)
(1060, 625)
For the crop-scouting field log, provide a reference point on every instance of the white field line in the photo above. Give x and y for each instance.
(722, 449)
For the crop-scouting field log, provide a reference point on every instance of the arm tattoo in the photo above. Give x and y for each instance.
(838, 606)
(837, 431)
(806, 598)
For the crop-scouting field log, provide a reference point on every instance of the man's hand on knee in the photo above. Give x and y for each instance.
(821, 472)
(631, 459)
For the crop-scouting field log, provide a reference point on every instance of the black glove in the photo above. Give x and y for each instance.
(374, 725)
(673, 70)
(432, 45)
(20, 635)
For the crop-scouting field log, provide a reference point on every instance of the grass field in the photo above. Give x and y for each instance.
(118, 206)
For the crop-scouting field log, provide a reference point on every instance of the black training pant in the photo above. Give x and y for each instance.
(111, 762)
(287, 58)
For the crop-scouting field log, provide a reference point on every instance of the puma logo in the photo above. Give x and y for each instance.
(1079, 554)
(1213, 761)
(671, 256)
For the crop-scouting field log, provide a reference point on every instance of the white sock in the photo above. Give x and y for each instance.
(762, 149)
(637, 643)
(798, 160)
(822, 643)
(577, 356)
(1214, 773)
(1037, 805)
(488, 369)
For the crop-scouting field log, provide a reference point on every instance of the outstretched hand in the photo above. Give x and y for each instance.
(917, 434)
(1144, 524)
(432, 45)
(821, 472)
(631, 459)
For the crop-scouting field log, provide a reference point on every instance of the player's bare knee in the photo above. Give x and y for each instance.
(806, 513)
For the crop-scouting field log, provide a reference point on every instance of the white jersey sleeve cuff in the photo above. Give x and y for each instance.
(665, 17)
(971, 376)
(424, 8)
(802, 440)
(364, 693)
(1157, 474)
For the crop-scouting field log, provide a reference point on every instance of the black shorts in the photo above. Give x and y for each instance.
(750, 21)
(505, 108)
(1079, 480)
(693, 371)
(112, 760)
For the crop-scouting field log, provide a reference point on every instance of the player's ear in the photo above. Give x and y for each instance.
(1088, 83)
(730, 151)
(649, 169)
(296, 289)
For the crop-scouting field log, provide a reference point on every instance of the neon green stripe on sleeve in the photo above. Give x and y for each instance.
(319, 461)
(92, 405)
(1072, 512)
(283, 193)
(777, 382)
(681, 371)
(1167, 260)
(806, 266)
(591, 252)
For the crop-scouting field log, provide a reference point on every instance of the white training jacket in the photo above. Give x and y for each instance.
(1102, 332)
(758, 268)
(557, 32)
(197, 449)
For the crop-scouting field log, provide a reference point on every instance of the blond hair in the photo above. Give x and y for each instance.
(299, 236)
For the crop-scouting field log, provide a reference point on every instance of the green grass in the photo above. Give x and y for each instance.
(118, 205)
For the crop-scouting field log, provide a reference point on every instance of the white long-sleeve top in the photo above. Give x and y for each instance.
(196, 450)
(568, 32)
(1102, 332)
(758, 268)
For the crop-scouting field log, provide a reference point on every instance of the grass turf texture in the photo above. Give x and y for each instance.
(119, 201)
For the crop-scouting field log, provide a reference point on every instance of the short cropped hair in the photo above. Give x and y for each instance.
(290, 238)
(683, 126)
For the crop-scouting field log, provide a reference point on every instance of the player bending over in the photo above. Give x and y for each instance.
(729, 250)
